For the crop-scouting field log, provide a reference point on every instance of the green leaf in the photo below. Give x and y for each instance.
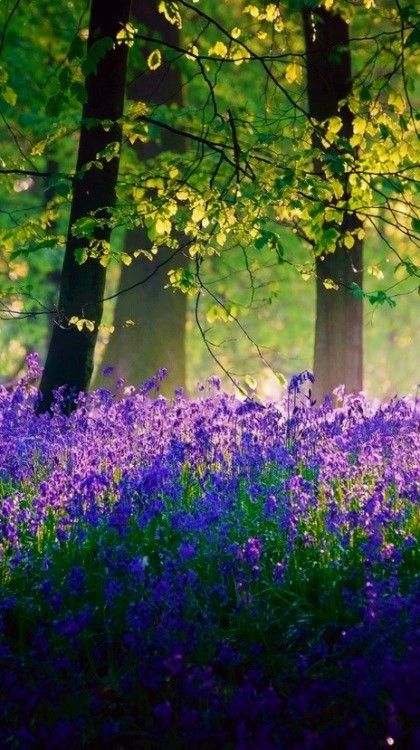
(263, 240)
(84, 227)
(385, 131)
(365, 94)
(271, 240)
(328, 239)
(77, 49)
(416, 225)
(316, 209)
(407, 11)
(266, 138)
(32, 248)
(111, 151)
(286, 180)
(335, 163)
(54, 105)
(9, 96)
(395, 183)
(412, 269)
(380, 297)
(356, 290)
(80, 255)
(77, 90)
(95, 54)
(91, 122)
(414, 38)
(64, 77)
(95, 122)
(59, 185)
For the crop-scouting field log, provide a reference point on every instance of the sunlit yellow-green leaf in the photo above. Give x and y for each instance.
(154, 60)
(219, 49)
(272, 12)
(198, 213)
(82, 323)
(373, 270)
(162, 226)
(252, 10)
(192, 53)
(127, 35)
(330, 284)
(171, 12)
(293, 73)
(9, 96)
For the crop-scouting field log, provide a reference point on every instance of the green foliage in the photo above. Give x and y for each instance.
(95, 54)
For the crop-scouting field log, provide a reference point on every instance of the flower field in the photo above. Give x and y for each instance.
(208, 572)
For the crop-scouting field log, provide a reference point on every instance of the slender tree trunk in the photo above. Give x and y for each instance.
(157, 338)
(70, 354)
(338, 357)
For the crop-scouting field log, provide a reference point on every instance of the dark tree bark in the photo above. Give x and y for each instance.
(70, 355)
(338, 356)
(157, 338)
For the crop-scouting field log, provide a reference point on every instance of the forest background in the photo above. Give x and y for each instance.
(216, 124)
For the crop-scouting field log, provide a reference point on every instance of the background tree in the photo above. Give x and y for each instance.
(70, 355)
(338, 356)
(149, 319)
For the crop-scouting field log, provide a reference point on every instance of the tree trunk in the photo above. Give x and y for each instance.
(70, 354)
(338, 357)
(157, 338)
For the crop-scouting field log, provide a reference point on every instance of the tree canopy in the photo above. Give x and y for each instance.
(245, 186)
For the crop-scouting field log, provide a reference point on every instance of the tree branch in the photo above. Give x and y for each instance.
(36, 173)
